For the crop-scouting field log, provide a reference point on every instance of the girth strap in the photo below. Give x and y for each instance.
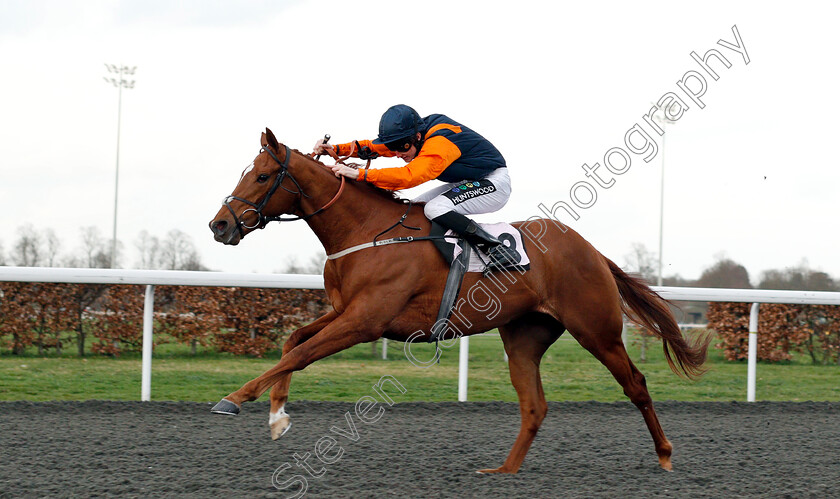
(450, 291)
(373, 244)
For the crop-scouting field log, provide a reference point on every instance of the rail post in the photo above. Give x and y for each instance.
(463, 361)
(752, 353)
(148, 319)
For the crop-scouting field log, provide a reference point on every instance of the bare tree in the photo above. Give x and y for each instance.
(292, 266)
(35, 248)
(2, 254)
(27, 251)
(171, 248)
(314, 266)
(109, 247)
(95, 251)
(192, 261)
(316, 263)
(174, 252)
(177, 252)
(91, 244)
(642, 261)
(149, 248)
(53, 245)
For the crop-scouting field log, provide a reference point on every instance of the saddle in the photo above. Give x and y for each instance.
(461, 258)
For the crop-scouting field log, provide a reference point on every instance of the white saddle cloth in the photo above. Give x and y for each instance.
(506, 233)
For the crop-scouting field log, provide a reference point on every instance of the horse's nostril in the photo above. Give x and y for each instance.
(218, 227)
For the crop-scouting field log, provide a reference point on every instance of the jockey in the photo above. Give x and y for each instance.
(437, 147)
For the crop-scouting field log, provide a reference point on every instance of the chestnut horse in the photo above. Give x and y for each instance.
(393, 291)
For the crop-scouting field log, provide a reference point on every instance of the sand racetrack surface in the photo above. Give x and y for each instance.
(584, 449)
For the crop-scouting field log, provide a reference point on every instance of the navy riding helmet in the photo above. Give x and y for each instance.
(398, 124)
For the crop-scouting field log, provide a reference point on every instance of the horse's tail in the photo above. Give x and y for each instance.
(646, 308)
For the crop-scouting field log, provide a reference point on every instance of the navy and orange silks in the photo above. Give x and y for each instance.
(450, 152)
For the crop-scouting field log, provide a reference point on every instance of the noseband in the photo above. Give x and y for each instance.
(263, 220)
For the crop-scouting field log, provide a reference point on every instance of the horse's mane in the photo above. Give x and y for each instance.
(385, 193)
(392, 195)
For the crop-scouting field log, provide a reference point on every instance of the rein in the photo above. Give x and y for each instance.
(263, 220)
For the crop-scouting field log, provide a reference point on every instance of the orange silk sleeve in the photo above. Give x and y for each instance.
(344, 149)
(437, 154)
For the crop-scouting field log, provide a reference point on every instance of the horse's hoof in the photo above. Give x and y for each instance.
(225, 406)
(664, 455)
(663, 452)
(280, 427)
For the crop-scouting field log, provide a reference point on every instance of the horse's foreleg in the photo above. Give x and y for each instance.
(344, 331)
(525, 343)
(278, 419)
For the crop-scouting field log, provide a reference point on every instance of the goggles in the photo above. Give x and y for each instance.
(401, 145)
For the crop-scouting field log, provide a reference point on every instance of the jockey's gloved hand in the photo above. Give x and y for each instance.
(321, 148)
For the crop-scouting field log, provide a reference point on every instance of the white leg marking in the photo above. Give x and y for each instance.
(276, 416)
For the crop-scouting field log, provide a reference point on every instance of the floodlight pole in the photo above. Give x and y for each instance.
(661, 212)
(118, 82)
(664, 120)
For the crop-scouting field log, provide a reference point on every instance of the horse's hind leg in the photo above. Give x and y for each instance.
(526, 340)
(611, 352)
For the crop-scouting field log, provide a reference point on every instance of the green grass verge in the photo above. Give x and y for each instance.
(568, 372)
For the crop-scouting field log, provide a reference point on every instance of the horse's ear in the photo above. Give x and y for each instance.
(269, 138)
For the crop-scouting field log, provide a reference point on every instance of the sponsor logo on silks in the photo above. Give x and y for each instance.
(469, 190)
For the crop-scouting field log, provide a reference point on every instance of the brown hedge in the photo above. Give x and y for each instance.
(782, 329)
(243, 321)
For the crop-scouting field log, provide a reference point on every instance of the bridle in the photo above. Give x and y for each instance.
(257, 208)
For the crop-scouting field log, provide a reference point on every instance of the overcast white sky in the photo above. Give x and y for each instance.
(753, 175)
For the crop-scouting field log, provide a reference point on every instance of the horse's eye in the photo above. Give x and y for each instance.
(262, 178)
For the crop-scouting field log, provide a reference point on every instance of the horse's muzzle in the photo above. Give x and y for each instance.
(225, 232)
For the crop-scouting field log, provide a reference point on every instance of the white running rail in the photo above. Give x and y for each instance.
(151, 278)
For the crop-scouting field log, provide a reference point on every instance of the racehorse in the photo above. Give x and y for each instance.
(392, 291)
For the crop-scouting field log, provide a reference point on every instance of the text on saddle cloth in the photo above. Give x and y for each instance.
(507, 234)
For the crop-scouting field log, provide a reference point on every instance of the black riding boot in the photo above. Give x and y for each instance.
(478, 237)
